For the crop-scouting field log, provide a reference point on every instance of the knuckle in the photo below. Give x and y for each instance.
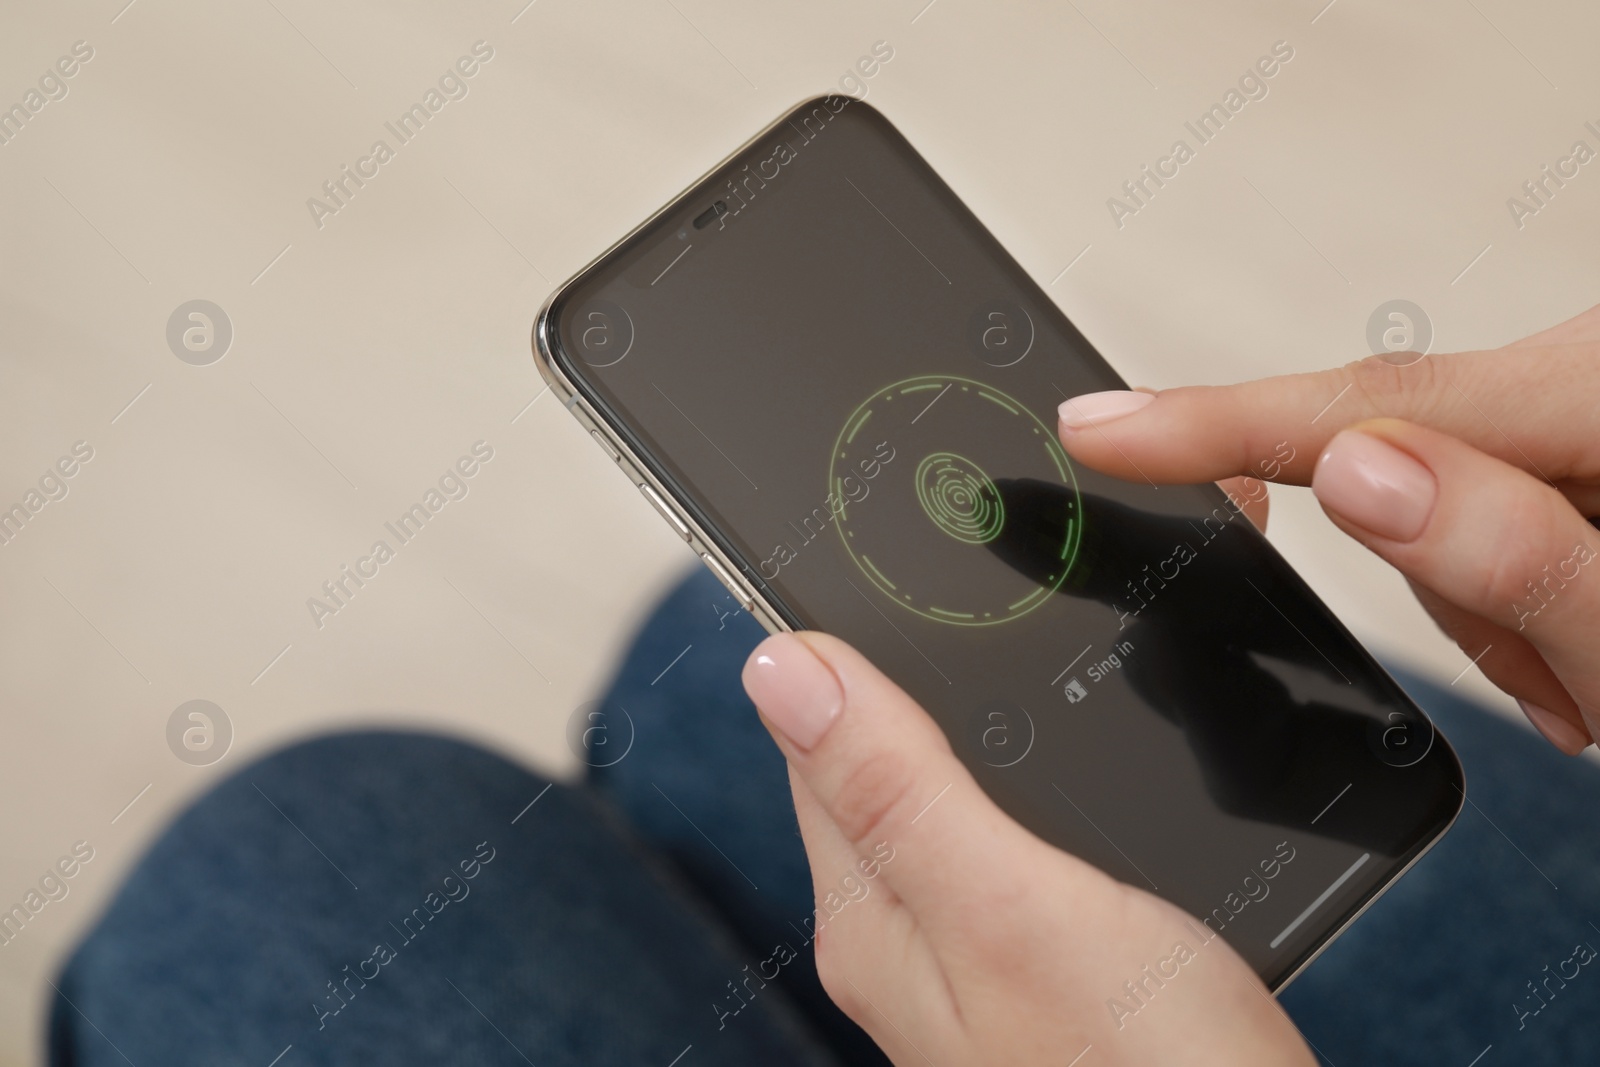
(833, 973)
(871, 790)
(1503, 584)
(1388, 388)
(1521, 551)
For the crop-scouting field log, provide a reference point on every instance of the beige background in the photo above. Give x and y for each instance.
(371, 353)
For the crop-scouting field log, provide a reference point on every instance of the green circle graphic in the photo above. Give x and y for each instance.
(959, 498)
(928, 533)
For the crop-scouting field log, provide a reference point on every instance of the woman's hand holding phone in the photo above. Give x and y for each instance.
(975, 942)
(1475, 474)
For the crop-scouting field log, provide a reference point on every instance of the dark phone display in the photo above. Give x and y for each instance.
(843, 374)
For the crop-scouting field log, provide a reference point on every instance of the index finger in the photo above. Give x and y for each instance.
(1532, 407)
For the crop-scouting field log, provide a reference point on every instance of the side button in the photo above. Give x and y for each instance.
(666, 511)
(737, 589)
(600, 439)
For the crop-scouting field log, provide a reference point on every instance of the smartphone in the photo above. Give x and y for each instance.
(836, 386)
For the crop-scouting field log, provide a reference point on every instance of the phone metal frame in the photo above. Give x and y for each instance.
(727, 571)
(720, 564)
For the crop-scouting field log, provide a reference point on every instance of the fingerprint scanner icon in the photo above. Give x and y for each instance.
(959, 498)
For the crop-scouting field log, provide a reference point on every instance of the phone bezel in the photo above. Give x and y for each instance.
(594, 415)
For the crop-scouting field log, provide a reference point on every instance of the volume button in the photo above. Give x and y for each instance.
(600, 439)
(666, 511)
(745, 600)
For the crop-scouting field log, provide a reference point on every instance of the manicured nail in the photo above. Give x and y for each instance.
(1373, 484)
(1556, 730)
(794, 689)
(1092, 409)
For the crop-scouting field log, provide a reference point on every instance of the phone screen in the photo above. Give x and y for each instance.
(836, 368)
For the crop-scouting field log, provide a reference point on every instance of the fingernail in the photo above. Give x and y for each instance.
(794, 689)
(1556, 730)
(1092, 409)
(1375, 485)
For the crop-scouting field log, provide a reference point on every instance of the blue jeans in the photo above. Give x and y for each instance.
(407, 899)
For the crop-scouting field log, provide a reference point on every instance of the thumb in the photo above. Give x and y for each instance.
(882, 771)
